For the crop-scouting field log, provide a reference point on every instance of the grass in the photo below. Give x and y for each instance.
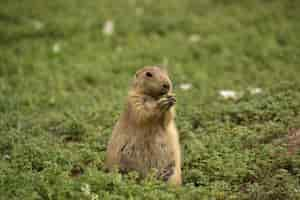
(63, 84)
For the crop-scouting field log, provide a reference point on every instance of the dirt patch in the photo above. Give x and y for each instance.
(76, 171)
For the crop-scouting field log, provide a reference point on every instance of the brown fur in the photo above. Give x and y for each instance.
(145, 136)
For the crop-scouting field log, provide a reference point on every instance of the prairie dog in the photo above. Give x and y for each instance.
(145, 136)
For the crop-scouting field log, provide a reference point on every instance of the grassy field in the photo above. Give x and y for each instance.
(64, 79)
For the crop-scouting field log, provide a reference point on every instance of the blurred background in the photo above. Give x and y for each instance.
(65, 68)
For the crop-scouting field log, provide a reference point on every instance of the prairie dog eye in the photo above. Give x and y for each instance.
(149, 74)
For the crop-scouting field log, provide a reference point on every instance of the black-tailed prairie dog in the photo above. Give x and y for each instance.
(145, 136)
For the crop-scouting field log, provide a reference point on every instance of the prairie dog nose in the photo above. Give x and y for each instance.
(166, 86)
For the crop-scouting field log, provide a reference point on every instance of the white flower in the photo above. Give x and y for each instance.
(6, 157)
(108, 28)
(255, 90)
(185, 86)
(86, 189)
(230, 94)
(56, 48)
(95, 197)
(194, 38)
(38, 25)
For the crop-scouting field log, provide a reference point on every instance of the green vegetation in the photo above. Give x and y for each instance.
(63, 84)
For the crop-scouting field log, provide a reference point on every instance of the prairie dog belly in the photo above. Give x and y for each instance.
(152, 152)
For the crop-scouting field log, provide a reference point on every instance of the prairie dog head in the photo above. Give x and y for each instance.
(152, 81)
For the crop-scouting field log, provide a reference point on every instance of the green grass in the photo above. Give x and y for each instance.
(57, 109)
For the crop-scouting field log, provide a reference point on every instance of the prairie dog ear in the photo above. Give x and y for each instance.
(164, 68)
(137, 73)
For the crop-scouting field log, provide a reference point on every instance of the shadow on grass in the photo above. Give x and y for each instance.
(7, 38)
(10, 19)
(16, 37)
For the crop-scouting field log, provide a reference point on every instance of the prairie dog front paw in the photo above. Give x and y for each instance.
(166, 102)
